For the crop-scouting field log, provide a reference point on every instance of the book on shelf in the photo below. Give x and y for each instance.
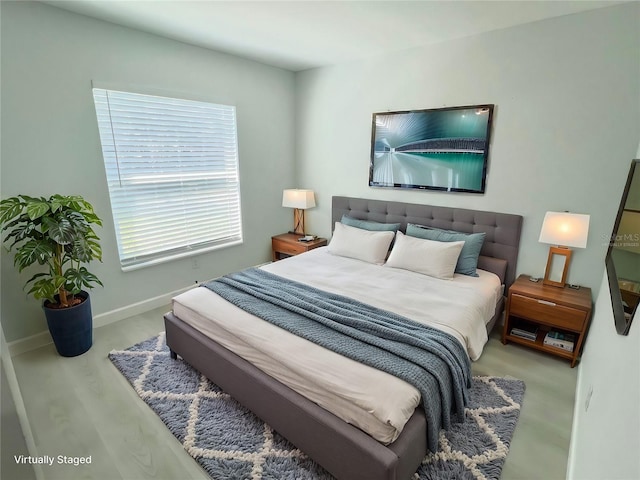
(565, 341)
(525, 330)
(562, 336)
(519, 333)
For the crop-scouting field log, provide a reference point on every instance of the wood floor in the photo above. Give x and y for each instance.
(82, 406)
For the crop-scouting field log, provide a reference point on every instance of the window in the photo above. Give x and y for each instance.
(172, 172)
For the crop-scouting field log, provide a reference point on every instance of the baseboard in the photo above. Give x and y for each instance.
(127, 311)
(29, 343)
(44, 338)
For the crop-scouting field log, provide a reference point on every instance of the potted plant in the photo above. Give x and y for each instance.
(57, 234)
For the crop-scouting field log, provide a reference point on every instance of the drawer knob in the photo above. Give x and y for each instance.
(544, 302)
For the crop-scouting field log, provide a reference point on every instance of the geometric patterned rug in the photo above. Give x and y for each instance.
(231, 443)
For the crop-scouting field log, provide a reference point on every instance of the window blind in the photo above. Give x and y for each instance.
(172, 173)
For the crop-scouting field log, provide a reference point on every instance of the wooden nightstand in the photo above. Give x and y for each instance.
(549, 308)
(287, 244)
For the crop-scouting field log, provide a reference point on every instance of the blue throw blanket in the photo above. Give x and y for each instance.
(432, 361)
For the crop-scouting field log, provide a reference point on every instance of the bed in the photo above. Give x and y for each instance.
(344, 450)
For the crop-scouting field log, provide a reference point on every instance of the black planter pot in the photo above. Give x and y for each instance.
(71, 328)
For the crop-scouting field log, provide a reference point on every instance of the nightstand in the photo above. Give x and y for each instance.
(546, 307)
(287, 244)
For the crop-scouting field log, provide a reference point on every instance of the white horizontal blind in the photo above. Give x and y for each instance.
(172, 172)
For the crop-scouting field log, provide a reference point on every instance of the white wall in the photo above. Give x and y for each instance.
(15, 428)
(606, 422)
(564, 132)
(606, 425)
(50, 139)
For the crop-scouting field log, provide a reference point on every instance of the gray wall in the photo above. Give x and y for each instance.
(565, 127)
(50, 139)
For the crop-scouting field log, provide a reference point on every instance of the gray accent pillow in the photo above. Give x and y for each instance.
(468, 259)
(369, 225)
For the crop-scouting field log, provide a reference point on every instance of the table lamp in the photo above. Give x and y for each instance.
(299, 200)
(564, 230)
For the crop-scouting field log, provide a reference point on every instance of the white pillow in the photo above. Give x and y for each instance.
(366, 245)
(429, 257)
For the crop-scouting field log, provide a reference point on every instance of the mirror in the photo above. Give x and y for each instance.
(623, 256)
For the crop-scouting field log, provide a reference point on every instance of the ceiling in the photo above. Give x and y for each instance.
(302, 34)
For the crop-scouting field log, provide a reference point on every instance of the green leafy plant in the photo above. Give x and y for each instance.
(56, 232)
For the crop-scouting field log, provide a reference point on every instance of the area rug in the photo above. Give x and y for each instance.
(231, 443)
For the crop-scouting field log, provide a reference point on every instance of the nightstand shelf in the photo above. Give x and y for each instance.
(538, 344)
(288, 244)
(562, 310)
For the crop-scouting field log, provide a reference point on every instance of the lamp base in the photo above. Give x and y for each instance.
(298, 221)
(555, 273)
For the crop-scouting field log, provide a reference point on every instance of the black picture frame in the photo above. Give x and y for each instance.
(445, 149)
(625, 302)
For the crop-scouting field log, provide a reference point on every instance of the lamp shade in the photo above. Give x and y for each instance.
(295, 198)
(565, 229)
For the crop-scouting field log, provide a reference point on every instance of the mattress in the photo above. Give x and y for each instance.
(374, 401)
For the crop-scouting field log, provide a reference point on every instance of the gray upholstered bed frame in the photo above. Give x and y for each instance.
(499, 252)
(344, 450)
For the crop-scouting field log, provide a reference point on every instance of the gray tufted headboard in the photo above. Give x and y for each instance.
(503, 229)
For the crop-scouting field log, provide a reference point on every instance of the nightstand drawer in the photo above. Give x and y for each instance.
(547, 312)
(288, 248)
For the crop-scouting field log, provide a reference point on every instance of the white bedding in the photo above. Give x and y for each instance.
(376, 402)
